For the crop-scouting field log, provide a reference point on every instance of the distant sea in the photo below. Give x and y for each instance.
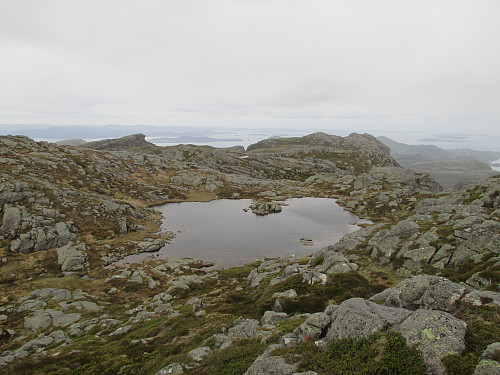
(444, 140)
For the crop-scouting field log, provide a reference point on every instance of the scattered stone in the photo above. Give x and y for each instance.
(121, 331)
(271, 318)
(199, 354)
(172, 369)
(244, 328)
(47, 318)
(290, 293)
(72, 258)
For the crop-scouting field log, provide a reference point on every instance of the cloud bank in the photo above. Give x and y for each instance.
(243, 63)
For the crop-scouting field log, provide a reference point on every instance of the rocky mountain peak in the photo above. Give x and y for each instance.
(354, 141)
(129, 141)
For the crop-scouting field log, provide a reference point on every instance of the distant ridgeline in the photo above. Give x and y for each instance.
(448, 167)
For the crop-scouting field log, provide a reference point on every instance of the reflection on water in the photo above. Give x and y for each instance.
(222, 232)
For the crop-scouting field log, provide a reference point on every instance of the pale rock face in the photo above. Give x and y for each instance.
(71, 258)
(11, 221)
(200, 354)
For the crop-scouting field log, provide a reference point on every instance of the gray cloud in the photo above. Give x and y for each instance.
(250, 62)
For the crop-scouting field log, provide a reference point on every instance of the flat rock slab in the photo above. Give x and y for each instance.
(48, 318)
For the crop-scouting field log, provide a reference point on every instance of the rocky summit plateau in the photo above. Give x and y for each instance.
(414, 292)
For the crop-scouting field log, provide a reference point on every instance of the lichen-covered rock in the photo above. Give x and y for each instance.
(436, 334)
(423, 291)
(357, 318)
(487, 367)
(244, 328)
(31, 305)
(386, 242)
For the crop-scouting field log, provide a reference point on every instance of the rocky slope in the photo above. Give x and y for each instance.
(448, 167)
(416, 292)
(450, 173)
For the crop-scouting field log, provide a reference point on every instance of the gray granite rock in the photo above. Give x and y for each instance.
(171, 369)
(199, 354)
(423, 291)
(269, 365)
(313, 327)
(436, 334)
(357, 318)
(272, 318)
(72, 258)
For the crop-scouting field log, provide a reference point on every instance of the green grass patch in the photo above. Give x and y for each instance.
(464, 271)
(318, 261)
(233, 360)
(315, 298)
(380, 354)
(483, 329)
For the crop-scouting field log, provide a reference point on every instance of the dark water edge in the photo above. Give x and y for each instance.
(221, 231)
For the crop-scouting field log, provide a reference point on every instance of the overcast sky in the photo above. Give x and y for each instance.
(281, 63)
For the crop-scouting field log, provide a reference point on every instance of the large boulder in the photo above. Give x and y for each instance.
(244, 328)
(488, 363)
(313, 327)
(357, 318)
(71, 258)
(436, 334)
(199, 354)
(11, 221)
(423, 291)
(270, 365)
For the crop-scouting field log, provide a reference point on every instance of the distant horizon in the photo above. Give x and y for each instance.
(360, 66)
(445, 140)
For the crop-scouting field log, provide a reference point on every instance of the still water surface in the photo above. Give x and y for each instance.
(222, 232)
